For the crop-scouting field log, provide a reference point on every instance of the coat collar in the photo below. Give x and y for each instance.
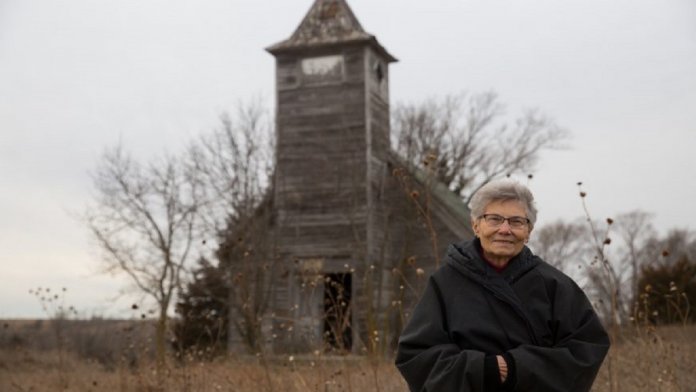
(466, 258)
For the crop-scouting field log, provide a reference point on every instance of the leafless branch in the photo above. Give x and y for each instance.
(471, 142)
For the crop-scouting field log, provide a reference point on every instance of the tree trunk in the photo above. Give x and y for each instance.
(161, 341)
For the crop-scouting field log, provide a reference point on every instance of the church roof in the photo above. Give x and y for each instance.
(445, 204)
(328, 22)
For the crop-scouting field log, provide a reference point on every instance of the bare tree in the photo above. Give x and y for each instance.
(233, 167)
(612, 266)
(468, 140)
(636, 244)
(143, 220)
(561, 244)
(634, 228)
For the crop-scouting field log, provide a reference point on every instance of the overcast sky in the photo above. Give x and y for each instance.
(77, 76)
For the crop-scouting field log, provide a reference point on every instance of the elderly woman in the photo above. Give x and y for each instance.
(495, 317)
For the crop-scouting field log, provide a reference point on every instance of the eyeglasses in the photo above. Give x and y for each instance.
(495, 220)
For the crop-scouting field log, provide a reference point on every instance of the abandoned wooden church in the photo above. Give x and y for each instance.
(348, 233)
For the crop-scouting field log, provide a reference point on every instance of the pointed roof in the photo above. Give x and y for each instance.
(328, 22)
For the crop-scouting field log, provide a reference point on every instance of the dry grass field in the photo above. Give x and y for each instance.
(662, 359)
(645, 360)
(24, 371)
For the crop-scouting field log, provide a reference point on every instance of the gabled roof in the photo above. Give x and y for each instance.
(445, 204)
(328, 22)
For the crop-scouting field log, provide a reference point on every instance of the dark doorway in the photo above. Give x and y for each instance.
(338, 331)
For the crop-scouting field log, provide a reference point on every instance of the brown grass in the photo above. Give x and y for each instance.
(652, 359)
(648, 360)
(34, 371)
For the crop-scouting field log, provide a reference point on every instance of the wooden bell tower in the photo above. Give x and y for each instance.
(332, 121)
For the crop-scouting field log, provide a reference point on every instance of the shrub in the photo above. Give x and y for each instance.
(669, 290)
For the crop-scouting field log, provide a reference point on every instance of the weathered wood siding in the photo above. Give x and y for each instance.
(321, 168)
(321, 181)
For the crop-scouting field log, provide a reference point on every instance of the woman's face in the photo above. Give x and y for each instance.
(502, 243)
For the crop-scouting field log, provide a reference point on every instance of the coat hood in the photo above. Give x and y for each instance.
(466, 258)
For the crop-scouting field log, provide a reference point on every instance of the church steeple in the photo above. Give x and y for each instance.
(328, 22)
(332, 148)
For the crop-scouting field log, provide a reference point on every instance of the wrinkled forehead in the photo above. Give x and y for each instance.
(507, 204)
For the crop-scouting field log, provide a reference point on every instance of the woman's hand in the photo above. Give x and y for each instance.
(502, 366)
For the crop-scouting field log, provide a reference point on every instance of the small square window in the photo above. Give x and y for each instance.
(323, 69)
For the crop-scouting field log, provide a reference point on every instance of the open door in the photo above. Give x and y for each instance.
(338, 330)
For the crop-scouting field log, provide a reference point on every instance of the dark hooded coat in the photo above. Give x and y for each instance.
(531, 313)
